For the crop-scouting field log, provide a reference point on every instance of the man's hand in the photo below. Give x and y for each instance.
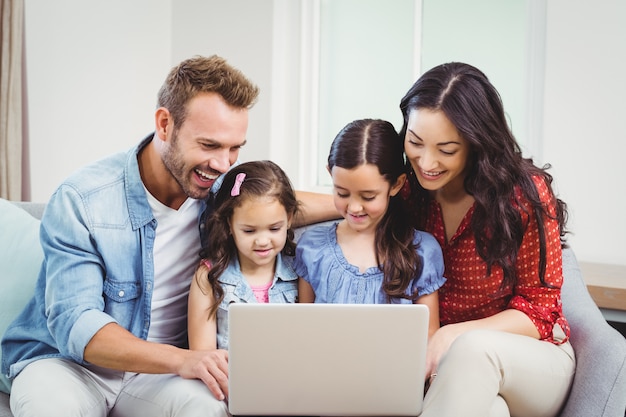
(211, 367)
(114, 347)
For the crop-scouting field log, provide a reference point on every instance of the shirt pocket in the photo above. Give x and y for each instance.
(121, 291)
(121, 300)
(287, 295)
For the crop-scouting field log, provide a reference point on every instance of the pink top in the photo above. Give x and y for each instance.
(261, 292)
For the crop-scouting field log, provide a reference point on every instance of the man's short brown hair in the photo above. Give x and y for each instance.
(203, 75)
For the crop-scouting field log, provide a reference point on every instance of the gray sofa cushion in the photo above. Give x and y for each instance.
(599, 387)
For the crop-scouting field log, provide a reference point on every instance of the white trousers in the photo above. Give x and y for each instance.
(61, 388)
(496, 374)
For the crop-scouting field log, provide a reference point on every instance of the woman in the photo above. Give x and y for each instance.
(503, 346)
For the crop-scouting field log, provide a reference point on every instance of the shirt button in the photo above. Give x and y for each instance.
(121, 293)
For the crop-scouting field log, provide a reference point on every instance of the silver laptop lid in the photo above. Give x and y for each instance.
(327, 359)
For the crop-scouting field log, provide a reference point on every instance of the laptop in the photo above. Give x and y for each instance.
(327, 359)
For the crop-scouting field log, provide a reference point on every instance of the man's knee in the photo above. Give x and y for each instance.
(51, 387)
(167, 395)
(193, 396)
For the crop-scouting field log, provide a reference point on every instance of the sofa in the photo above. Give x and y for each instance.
(598, 390)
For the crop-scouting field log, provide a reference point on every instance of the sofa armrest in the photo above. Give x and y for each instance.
(599, 387)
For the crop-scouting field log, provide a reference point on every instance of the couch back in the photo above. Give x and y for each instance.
(34, 209)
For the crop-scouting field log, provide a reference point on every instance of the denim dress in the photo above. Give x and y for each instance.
(284, 289)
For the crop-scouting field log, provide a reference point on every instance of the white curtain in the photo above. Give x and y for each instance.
(11, 126)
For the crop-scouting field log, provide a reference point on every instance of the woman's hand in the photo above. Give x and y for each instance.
(438, 345)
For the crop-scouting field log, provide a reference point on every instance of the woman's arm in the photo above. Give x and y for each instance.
(202, 329)
(540, 302)
(510, 320)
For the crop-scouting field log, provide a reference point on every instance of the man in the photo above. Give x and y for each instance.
(105, 332)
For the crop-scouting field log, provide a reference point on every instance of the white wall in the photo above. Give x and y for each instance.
(500, 29)
(94, 69)
(584, 134)
(241, 32)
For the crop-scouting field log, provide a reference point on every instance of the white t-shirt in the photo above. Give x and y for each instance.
(176, 249)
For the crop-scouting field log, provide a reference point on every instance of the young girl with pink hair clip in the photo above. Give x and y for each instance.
(249, 256)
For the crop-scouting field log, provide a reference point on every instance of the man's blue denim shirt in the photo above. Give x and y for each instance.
(97, 235)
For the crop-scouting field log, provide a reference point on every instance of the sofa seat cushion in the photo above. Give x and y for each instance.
(20, 261)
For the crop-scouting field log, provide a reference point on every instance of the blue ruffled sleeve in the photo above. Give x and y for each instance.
(311, 250)
(431, 277)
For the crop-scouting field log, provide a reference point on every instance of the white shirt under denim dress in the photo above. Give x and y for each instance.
(284, 289)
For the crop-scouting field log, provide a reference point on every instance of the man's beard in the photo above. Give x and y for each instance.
(175, 165)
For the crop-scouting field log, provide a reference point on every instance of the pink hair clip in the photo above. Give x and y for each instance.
(237, 185)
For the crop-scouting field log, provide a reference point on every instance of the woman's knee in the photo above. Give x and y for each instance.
(473, 352)
(472, 344)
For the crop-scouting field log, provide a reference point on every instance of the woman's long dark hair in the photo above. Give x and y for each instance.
(262, 179)
(376, 142)
(496, 168)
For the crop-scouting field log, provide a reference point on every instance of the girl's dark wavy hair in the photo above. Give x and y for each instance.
(495, 169)
(263, 179)
(376, 142)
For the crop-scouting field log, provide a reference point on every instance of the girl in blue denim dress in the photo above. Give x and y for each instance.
(373, 255)
(248, 257)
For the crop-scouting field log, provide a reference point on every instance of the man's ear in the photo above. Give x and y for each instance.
(395, 189)
(163, 123)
